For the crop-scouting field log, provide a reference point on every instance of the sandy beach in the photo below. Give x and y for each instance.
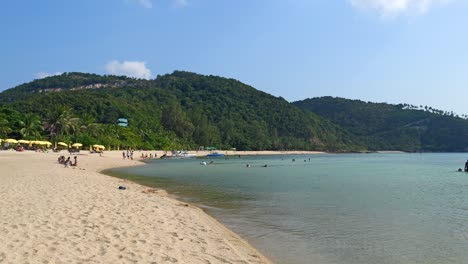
(53, 214)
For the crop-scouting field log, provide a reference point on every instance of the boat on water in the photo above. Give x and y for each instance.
(215, 154)
(178, 155)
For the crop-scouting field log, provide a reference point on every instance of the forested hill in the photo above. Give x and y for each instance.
(174, 111)
(384, 126)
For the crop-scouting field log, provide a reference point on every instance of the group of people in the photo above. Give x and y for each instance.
(128, 154)
(145, 156)
(67, 162)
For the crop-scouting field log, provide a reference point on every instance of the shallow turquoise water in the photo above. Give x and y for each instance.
(347, 208)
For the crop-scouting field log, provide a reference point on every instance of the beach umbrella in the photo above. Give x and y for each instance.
(10, 140)
(63, 144)
(46, 143)
(22, 141)
(99, 146)
(77, 145)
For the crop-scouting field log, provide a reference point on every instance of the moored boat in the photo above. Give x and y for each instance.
(215, 154)
(178, 155)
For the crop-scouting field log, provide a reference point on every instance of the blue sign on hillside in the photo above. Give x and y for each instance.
(123, 122)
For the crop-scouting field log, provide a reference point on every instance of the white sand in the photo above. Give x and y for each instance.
(52, 214)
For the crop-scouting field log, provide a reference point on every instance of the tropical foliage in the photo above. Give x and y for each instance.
(188, 110)
(382, 126)
(179, 110)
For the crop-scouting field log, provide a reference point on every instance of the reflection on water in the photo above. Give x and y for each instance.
(373, 208)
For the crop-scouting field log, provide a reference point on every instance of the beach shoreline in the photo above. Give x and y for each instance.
(227, 153)
(55, 214)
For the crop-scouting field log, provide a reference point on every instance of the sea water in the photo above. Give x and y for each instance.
(344, 208)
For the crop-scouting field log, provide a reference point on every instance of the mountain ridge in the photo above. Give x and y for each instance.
(187, 110)
(393, 126)
(181, 109)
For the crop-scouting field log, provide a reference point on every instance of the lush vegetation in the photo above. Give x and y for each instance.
(175, 111)
(184, 110)
(382, 126)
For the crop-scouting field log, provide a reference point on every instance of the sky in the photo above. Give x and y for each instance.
(395, 51)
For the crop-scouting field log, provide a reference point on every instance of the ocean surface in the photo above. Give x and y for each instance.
(343, 208)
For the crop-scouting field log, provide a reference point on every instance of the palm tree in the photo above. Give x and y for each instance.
(31, 126)
(4, 127)
(61, 122)
(88, 125)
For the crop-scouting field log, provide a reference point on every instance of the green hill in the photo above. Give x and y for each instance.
(178, 110)
(382, 126)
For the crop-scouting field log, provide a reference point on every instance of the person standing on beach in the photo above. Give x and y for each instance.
(123, 154)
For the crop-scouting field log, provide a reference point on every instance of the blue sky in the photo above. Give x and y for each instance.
(412, 51)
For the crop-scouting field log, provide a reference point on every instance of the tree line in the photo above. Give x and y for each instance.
(176, 111)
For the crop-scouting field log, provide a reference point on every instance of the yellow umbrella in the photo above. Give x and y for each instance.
(77, 145)
(22, 141)
(10, 140)
(46, 143)
(63, 144)
(99, 146)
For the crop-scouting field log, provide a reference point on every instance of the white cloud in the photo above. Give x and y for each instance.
(145, 3)
(43, 74)
(135, 69)
(180, 3)
(396, 7)
(149, 3)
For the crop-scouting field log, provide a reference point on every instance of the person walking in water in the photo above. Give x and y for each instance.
(466, 166)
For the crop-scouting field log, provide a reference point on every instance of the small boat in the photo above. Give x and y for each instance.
(178, 155)
(215, 154)
(186, 155)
